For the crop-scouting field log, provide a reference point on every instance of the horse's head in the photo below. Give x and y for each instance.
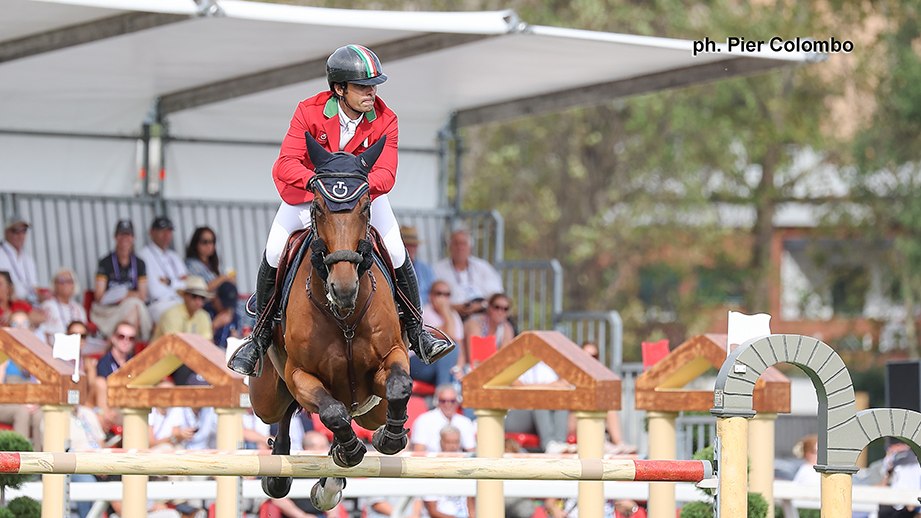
(341, 214)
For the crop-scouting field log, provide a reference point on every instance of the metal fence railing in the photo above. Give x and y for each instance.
(632, 421)
(536, 290)
(694, 432)
(603, 328)
(76, 230)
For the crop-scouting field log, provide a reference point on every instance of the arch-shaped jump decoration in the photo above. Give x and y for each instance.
(735, 383)
(877, 423)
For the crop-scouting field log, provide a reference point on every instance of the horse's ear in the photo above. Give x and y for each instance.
(318, 155)
(366, 160)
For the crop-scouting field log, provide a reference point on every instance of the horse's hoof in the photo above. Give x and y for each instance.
(386, 443)
(276, 487)
(346, 457)
(326, 493)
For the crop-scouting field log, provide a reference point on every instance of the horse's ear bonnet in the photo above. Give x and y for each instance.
(341, 190)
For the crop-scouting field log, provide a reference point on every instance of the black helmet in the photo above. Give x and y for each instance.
(354, 64)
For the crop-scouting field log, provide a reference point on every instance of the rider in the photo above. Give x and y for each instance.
(349, 117)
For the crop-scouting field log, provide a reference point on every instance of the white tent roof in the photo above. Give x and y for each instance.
(230, 70)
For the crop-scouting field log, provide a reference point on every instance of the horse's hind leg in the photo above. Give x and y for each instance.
(347, 450)
(278, 487)
(391, 437)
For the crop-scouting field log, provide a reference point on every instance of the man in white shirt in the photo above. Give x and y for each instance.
(470, 278)
(14, 259)
(166, 271)
(426, 430)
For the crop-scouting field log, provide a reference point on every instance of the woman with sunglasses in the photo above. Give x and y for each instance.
(491, 323)
(120, 350)
(60, 310)
(201, 259)
(438, 313)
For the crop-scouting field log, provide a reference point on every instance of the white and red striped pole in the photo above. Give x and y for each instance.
(314, 466)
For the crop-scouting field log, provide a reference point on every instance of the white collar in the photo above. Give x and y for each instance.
(344, 120)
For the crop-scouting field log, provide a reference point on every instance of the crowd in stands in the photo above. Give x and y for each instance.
(141, 296)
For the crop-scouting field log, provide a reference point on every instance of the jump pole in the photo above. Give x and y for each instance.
(315, 466)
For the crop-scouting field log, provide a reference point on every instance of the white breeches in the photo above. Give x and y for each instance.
(295, 217)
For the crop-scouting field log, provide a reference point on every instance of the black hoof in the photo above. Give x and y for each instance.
(276, 487)
(349, 454)
(387, 443)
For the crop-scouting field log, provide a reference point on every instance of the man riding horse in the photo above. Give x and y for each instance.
(350, 118)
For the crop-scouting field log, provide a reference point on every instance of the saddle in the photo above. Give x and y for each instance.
(296, 249)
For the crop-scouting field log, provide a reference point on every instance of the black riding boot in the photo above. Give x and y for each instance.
(427, 347)
(248, 358)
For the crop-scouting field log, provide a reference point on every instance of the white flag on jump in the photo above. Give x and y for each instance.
(67, 347)
(744, 327)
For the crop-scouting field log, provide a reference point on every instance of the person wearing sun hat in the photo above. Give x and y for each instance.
(14, 259)
(187, 317)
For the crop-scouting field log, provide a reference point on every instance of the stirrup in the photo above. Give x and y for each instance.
(437, 353)
(256, 370)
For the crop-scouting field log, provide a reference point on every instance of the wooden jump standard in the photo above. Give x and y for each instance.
(315, 466)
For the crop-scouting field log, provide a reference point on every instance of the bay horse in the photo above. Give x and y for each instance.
(339, 351)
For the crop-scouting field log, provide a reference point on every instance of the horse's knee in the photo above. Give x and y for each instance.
(399, 385)
(335, 416)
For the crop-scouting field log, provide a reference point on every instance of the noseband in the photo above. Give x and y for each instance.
(320, 257)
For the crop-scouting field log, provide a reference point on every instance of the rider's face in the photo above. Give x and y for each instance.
(358, 98)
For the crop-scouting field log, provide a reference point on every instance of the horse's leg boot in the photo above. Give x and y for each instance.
(427, 347)
(247, 360)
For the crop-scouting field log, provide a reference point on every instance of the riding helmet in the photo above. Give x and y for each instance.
(354, 64)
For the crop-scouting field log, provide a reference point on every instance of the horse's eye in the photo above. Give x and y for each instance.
(366, 209)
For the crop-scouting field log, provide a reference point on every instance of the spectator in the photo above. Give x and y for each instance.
(86, 433)
(439, 313)
(187, 317)
(550, 425)
(121, 286)
(201, 259)
(120, 350)
(449, 506)
(26, 419)
(491, 323)
(17, 261)
(10, 304)
(806, 474)
(166, 272)
(60, 310)
(902, 471)
(225, 321)
(255, 432)
(424, 273)
(472, 279)
(425, 431)
(614, 444)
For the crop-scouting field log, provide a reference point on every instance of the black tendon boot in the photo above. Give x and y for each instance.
(247, 360)
(427, 347)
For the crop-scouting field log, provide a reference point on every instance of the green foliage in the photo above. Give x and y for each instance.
(757, 506)
(25, 507)
(696, 510)
(6, 513)
(12, 441)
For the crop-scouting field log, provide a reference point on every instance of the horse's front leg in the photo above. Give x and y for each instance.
(398, 386)
(347, 450)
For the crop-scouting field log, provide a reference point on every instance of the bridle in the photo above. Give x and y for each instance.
(321, 261)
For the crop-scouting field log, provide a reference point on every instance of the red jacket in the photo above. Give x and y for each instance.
(319, 115)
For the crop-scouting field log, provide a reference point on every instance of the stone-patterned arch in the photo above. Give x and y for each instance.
(735, 383)
(877, 423)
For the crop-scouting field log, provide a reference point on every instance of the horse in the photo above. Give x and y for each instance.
(340, 351)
